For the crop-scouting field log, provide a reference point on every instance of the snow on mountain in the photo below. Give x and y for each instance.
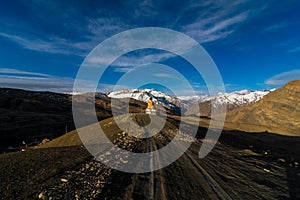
(145, 94)
(189, 98)
(231, 100)
(239, 97)
(72, 93)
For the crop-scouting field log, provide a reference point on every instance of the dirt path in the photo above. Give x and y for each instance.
(184, 179)
(217, 189)
(226, 173)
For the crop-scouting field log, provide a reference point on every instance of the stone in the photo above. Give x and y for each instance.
(267, 170)
(282, 160)
(64, 180)
(41, 195)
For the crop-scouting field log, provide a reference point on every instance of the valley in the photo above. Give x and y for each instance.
(251, 160)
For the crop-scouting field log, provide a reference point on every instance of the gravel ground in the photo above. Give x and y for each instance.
(24, 175)
(241, 166)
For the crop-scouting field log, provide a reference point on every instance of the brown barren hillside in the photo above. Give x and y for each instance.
(280, 108)
(241, 166)
(203, 109)
(31, 116)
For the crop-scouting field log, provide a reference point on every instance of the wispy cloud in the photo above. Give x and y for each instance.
(34, 81)
(294, 50)
(121, 69)
(12, 78)
(225, 20)
(214, 28)
(275, 27)
(78, 32)
(126, 63)
(162, 75)
(283, 78)
(93, 29)
(133, 59)
(53, 45)
(10, 71)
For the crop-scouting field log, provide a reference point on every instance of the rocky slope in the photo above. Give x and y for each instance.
(26, 116)
(31, 116)
(280, 108)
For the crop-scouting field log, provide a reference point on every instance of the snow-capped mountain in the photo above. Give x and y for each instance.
(145, 94)
(239, 97)
(231, 100)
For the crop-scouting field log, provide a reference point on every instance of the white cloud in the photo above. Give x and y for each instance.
(283, 78)
(214, 28)
(110, 87)
(15, 71)
(132, 61)
(162, 75)
(98, 29)
(12, 78)
(54, 45)
(93, 30)
(55, 84)
(126, 62)
(122, 69)
(275, 27)
(294, 50)
(214, 21)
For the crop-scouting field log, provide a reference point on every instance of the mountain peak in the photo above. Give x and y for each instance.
(231, 100)
(272, 109)
(243, 92)
(144, 95)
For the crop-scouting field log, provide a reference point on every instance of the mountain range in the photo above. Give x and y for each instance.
(280, 108)
(30, 115)
(230, 100)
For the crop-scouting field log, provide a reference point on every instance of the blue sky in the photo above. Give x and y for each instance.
(255, 44)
